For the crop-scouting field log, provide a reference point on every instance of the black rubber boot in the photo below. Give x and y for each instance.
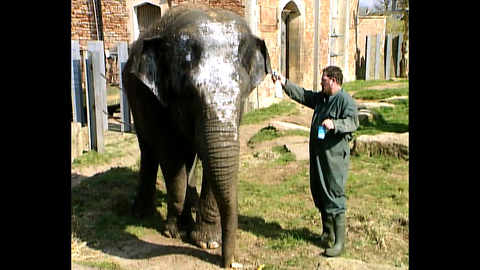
(339, 228)
(327, 225)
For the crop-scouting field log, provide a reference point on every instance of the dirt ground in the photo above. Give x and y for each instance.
(154, 251)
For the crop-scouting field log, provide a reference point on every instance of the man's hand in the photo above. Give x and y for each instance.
(279, 77)
(328, 123)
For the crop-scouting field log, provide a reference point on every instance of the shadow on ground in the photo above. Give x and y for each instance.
(272, 230)
(101, 216)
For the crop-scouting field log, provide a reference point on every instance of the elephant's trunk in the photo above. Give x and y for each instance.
(220, 154)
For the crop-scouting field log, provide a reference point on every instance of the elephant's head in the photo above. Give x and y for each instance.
(202, 64)
(215, 55)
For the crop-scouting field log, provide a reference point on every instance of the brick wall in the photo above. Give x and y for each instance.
(370, 25)
(113, 25)
(115, 17)
(116, 27)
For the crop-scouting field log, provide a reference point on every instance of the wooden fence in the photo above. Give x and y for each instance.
(383, 59)
(92, 110)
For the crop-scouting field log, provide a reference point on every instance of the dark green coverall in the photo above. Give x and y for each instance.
(329, 157)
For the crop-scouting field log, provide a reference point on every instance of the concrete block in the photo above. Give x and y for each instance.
(388, 144)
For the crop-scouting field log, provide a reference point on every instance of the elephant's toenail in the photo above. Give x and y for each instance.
(203, 245)
(213, 245)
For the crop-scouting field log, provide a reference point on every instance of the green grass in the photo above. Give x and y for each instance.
(101, 208)
(285, 155)
(389, 120)
(394, 119)
(366, 84)
(107, 265)
(282, 216)
(275, 218)
(270, 133)
(113, 95)
(257, 116)
(380, 94)
(113, 149)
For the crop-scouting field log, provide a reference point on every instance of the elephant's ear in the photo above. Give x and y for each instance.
(147, 63)
(261, 63)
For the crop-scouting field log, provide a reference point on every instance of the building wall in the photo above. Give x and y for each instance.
(113, 25)
(370, 25)
(118, 25)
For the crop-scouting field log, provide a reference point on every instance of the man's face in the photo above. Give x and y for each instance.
(327, 84)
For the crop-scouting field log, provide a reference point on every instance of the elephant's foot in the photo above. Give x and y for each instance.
(142, 208)
(179, 227)
(207, 235)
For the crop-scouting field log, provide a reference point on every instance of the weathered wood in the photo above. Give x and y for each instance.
(377, 58)
(388, 56)
(399, 54)
(92, 127)
(99, 96)
(368, 61)
(122, 52)
(100, 83)
(95, 111)
(76, 80)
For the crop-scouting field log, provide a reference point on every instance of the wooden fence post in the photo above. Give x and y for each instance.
(94, 102)
(77, 94)
(377, 58)
(399, 54)
(368, 61)
(388, 55)
(99, 81)
(122, 52)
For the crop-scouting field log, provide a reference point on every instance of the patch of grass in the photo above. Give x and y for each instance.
(282, 216)
(107, 265)
(358, 85)
(101, 208)
(286, 156)
(389, 119)
(113, 149)
(263, 135)
(380, 94)
(113, 95)
(257, 116)
(271, 133)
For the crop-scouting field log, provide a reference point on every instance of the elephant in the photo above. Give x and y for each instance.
(186, 80)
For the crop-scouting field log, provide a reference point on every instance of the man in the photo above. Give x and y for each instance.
(335, 113)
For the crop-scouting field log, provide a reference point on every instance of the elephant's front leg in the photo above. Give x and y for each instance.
(144, 205)
(207, 232)
(179, 216)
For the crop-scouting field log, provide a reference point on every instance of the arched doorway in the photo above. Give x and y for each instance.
(292, 27)
(145, 15)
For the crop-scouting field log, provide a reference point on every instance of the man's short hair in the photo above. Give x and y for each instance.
(334, 72)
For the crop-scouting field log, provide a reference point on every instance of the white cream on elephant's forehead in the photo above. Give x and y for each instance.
(217, 75)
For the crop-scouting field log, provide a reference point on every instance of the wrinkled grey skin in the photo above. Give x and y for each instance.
(186, 80)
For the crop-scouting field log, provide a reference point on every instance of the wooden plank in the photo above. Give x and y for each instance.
(92, 126)
(98, 96)
(368, 62)
(399, 54)
(388, 51)
(100, 83)
(122, 52)
(377, 58)
(77, 93)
